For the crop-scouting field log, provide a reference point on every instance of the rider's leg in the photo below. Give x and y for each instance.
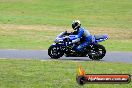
(81, 46)
(86, 43)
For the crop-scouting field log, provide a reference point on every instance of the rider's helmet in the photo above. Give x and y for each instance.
(76, 24)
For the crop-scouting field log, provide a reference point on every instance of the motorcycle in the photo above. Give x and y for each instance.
(63, 46)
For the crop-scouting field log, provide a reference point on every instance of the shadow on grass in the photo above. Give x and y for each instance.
(76, 59)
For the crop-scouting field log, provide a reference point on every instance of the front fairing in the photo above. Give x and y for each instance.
(58, 40)
(73, 37)
(61, 34)
(60, 37)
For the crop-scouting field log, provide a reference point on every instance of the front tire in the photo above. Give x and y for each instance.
(55, 52)
(97, 52)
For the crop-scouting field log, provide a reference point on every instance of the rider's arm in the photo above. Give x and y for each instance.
(80, 33)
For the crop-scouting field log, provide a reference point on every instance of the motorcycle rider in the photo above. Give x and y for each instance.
(81, 32)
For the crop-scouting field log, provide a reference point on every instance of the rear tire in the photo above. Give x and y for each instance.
(97, 52)
(55, 52)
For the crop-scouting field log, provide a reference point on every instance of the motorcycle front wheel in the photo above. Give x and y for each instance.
(55, 52)
(97, 52)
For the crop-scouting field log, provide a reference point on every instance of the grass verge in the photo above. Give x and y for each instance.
(109, 16)
(95, 13)
(56, 73)
(41, 37)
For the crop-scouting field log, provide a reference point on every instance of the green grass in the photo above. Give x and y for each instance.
(93, 13)
(107, 16)
(56, 73)
(118, 45)
(41, 37)
(114, 16)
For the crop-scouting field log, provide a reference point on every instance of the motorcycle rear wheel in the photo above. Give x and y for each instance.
(97, 52)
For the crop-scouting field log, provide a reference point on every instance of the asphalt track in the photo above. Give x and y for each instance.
(43, 55)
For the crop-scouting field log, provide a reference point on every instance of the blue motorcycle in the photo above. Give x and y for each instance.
(63, 46)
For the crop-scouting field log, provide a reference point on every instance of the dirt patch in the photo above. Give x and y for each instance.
(32, 27)
(113, 33)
